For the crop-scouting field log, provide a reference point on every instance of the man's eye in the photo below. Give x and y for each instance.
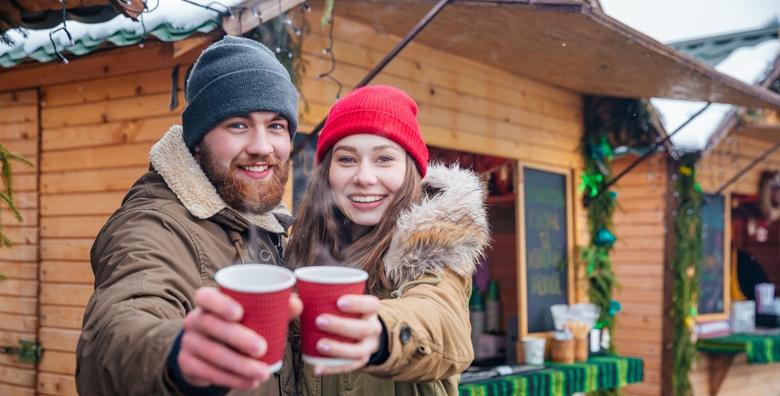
(278, 126)
(237, 125)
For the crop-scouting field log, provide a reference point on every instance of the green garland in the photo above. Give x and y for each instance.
(597, 155)
(609, 122)
(685, 267)
(7, 194)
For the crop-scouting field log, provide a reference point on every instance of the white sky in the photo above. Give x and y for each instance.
(676, 20)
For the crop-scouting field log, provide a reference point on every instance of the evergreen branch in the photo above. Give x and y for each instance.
(10, 202)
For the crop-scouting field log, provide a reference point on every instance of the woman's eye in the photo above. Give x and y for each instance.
(385, 159)
(346, 160)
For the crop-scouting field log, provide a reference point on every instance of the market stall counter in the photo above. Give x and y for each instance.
(556, 379)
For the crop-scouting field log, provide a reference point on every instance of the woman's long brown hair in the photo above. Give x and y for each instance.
(320, 225)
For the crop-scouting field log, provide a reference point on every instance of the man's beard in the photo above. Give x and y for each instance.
(240, 192)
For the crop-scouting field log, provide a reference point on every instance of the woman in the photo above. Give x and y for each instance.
(374, 203)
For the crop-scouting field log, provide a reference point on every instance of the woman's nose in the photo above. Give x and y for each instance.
(365, 175)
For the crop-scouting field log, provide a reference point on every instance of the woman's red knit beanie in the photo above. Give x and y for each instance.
(380, 110)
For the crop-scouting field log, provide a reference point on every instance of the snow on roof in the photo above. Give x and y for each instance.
(168, 20)
(750, 65)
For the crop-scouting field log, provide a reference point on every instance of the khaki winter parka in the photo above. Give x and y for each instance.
(430, 263)
(168, 238)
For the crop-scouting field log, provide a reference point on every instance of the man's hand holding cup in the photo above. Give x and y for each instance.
(236, 336)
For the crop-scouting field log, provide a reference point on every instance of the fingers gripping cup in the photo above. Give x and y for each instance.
(319, 288)
(264, 293)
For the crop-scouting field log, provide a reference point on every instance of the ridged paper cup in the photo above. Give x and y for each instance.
(264, 293)
(320, 288)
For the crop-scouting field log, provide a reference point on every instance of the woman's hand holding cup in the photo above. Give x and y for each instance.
(364, 330)
(339, 325)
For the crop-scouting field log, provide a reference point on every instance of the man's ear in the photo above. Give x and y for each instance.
(196, 151)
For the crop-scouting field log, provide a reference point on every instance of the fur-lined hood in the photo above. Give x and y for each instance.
(448, 229)
(184, 176)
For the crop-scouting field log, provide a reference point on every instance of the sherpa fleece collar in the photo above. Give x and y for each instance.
(184, 176)
(447, 230)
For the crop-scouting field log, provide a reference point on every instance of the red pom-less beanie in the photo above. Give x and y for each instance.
(379, 110)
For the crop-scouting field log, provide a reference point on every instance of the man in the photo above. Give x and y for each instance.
(155, 324)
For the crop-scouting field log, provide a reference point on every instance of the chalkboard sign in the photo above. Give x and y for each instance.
(712, 298)
(546, 246)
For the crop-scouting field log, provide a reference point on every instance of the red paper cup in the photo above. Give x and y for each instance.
(264, 292)
(319, 288)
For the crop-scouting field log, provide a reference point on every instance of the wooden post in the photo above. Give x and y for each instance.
(670, 243)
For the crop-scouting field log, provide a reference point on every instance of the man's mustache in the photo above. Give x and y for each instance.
(268, 159)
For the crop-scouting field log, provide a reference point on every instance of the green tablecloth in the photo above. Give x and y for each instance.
(604, 372)
(759, 348)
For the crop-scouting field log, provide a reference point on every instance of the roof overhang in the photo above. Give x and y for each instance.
(568, 43)
(734, 123)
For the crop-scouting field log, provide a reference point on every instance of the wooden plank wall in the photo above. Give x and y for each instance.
(101, 113)
(638, 260)
(463, 103)
(733, 154)
(19, 132)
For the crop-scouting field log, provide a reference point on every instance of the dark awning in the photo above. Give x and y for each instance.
(568, 43)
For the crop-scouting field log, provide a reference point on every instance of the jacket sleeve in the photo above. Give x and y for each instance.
(429, 333)
(146, 270)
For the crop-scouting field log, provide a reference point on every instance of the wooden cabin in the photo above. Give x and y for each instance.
(727, 149)
(498, 79)
(743, 149)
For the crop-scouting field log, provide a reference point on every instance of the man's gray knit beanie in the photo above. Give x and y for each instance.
(236, 76)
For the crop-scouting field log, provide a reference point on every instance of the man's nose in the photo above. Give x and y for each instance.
(259, 143)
